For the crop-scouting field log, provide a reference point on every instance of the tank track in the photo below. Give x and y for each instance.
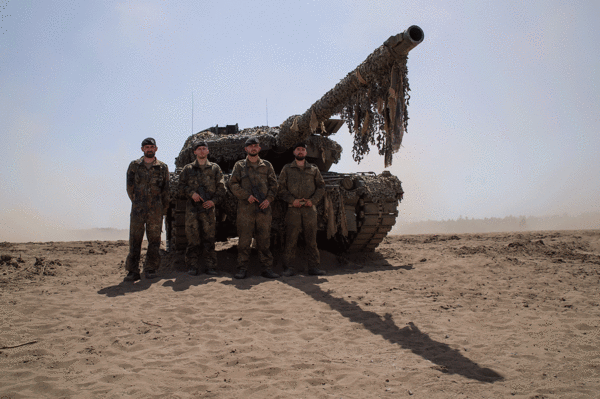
(374, 217)
(375, 222)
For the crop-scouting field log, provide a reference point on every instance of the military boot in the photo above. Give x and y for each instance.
(288, 272)
(150, 274)
(132, 276)
(211, 271)
(268, 273)
(241, 274)
(315, 271)
(193, 271)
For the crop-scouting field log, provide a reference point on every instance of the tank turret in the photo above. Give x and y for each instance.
(358, 209)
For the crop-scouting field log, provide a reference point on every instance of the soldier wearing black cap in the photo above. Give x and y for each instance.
(254, 182)
(148, 190)
(202, 183)
(301, 186)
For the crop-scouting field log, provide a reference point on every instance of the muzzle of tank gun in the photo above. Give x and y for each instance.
(402, 43)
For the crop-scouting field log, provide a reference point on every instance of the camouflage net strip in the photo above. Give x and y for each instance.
(377, 113)
(327, 147)
(381, 188)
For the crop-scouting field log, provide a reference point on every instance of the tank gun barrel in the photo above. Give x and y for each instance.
(371, 99)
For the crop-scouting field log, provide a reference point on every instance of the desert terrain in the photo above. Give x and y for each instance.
(488, 315)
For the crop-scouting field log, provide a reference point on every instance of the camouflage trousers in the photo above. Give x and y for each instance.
(200, 229)
(151, 223)
(258, 224)
(296, 220)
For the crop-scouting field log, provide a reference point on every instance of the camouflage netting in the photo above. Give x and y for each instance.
(377, 113)
(374, 188)
(226, 148)
(174, 183)
(382, 188)
(373, 101)
(327, 147)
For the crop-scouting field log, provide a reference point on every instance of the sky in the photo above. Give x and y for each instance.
(504, 107)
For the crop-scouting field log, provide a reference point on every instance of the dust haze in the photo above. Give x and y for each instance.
(21, 225)
(584, 221)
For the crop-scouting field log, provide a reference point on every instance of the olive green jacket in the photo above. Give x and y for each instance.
(148, 189)
(245, 175)
(296, 182)
(208, 175)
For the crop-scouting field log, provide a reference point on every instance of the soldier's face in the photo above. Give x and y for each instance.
(253, 149)
(300, 153)
(201, 152)
(149, 150)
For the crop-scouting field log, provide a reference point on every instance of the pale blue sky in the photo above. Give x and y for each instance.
(503, 111)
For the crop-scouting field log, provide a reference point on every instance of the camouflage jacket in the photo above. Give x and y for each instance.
(245, 175)
(148, 188)
(209, 176)
(296, 182)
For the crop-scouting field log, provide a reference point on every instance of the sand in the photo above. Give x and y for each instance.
(490, 315)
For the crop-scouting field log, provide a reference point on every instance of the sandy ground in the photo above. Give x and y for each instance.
(425, 316)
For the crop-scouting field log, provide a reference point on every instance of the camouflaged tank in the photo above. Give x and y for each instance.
(359, 209)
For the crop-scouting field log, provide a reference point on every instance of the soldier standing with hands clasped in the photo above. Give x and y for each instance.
(301, 186)
(148, 190)
(254, 183)
(202, 183)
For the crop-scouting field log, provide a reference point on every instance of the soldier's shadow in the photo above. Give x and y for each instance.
(174, 270)
(125, 287)
(172, 273)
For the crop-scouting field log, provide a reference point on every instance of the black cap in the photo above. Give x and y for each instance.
(148, 141)
(199, 143)
(300, 144)
(251, 140)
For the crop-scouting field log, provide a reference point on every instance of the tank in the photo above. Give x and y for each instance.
(358, 209)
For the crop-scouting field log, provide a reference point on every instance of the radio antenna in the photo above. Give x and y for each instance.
(267, 106)
(192, 112)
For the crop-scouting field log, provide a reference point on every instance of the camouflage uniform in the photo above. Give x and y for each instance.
(297, 182)
(148, 190)
(200, 226)
(251, 221)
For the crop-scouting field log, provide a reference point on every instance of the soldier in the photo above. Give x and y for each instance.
(254, 183)
(202, 182)
(148, 190)
(301, 186)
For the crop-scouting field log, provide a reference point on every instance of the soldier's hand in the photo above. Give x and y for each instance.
(307, 203)
(264, 204)
(196, 197)
(252, 199)
(208, 204)
(297, 203)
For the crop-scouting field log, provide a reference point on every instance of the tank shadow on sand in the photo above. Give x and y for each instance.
(448, 360)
